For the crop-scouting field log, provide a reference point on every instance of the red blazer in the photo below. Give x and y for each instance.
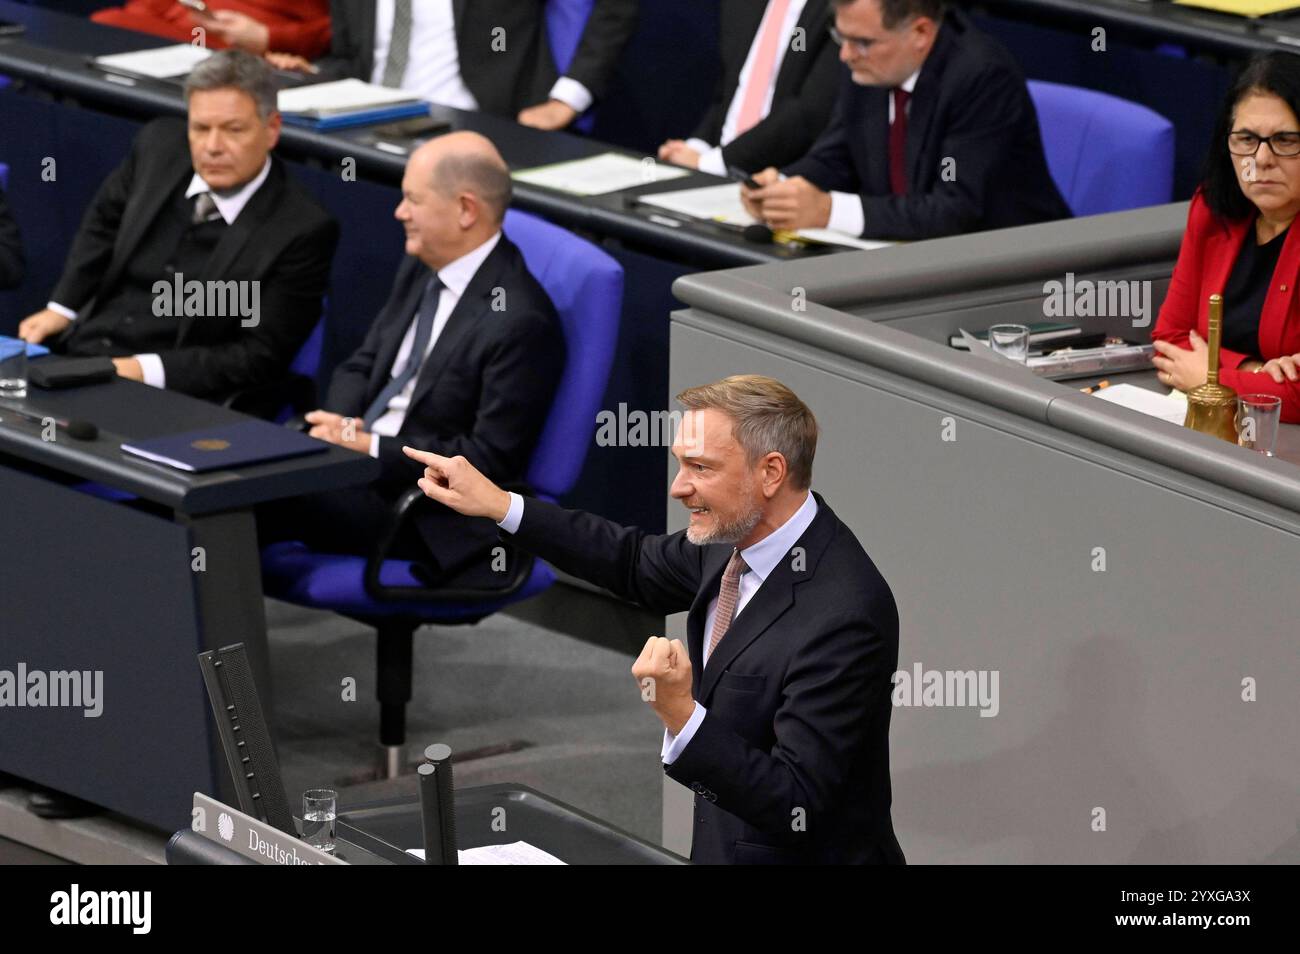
(1209, 249)
(296, 26)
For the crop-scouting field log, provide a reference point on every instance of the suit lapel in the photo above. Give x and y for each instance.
(399, 321)
(875, 136)
(1277, 304)
(774, 597)
(144, 207)
(260, 206)
(473, 308)
(924, 105)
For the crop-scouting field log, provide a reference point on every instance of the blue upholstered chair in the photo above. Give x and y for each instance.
(1105, 154)
(586, 286)
(4, 175)
(565, 21)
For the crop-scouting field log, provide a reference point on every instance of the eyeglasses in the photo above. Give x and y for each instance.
(1283, 144)
(859, 45)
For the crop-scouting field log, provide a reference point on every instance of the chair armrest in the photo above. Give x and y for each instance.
(398, 516)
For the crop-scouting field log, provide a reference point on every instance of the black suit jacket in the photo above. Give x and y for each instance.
(502, 81)
(797, 692)
(282, 239)
(12, 263)
(970, 105)
(484, 392)
(806, 87)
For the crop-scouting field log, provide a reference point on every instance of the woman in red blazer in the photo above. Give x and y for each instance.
(1239, 244)
(258, 26)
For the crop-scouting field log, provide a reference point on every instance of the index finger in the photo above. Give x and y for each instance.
(424, 457)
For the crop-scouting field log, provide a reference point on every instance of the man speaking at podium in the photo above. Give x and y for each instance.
(776, 713)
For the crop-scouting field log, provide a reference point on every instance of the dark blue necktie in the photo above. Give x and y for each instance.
(423, 331)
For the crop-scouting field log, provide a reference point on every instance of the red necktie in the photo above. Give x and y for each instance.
(898, 144)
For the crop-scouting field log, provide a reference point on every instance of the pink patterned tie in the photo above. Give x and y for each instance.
(760, 77)
(728, 596)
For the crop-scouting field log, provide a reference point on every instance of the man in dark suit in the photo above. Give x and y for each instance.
(199, 266)
(12, 262)
(489, 55)
(934, 134)
(776, 713)
(464, 358)
(780, 75)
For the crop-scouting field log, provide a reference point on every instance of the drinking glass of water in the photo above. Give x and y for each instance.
(319, 809)
(13, 368)
(1258, 416)
(1010, 341)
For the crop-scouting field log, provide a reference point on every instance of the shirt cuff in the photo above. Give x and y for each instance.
(711, 161)
(152, 367)
(514, 515)
(63, 310)
(674, 745)
(846, 214)
(374, 445)
(570, 91)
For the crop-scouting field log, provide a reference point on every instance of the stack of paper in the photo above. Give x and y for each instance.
(320, 100)
(1243, 8)
(517, 853)
(721, 204)
(1168, 407)
(164, 62)
(598, 175)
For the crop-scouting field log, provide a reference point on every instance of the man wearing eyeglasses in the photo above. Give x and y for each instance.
(934, 134)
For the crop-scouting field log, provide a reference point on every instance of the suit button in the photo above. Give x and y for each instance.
(128, 320)
(1284, 288)
(169, 269)
(107, 342)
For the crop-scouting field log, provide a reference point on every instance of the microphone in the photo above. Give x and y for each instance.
(79, 430)
(758, 233)
(438, 806)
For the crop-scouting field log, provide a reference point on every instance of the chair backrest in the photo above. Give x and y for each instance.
(307, 361)
(4, 176)
(586, 286)
(565, 21)
(1105, 154)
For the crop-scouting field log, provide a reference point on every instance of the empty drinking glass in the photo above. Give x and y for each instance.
(1258, 416)
(1010, 341)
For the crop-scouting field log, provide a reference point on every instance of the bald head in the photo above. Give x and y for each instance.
(468, 162)
(454, 196)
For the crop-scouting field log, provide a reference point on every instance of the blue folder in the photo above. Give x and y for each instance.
(224, 446)
(366, 117)
(33, 350)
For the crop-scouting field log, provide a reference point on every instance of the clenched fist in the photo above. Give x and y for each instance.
(663, 674)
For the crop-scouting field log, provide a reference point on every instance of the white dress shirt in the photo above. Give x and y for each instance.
(455, 277)
(846, 207)
(761, 558)
(229, 205)
(711, 160)
(434, 73)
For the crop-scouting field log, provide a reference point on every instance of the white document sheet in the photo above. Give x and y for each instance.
(1167, 407)
(162, 63)
(340, 96)
(598, 175)
(721, 203)
(517, 853)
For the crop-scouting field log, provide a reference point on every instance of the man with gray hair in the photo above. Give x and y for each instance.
(776, 710)
(200, 266)
(465, 358)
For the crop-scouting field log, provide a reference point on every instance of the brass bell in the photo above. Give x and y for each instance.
(1212, 407)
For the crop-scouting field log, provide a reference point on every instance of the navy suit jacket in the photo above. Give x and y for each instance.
(483, 392)
(974, 153)
(791, 763)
